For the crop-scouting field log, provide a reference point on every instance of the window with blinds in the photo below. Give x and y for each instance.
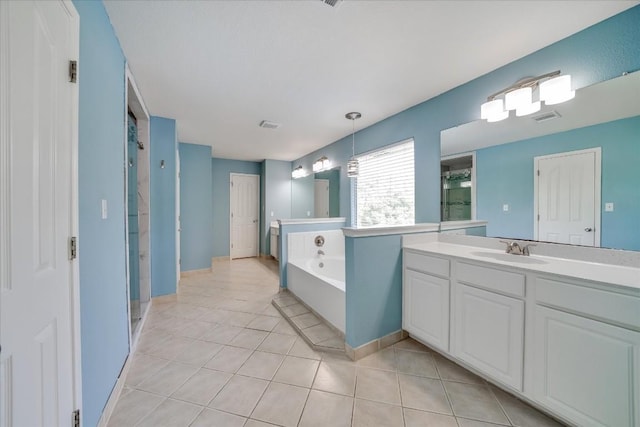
(385, 187)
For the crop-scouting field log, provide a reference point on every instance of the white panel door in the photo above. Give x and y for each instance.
(587, 371)
(321, 198)
(488, 333)
(245, 211)
(567, 189)
(38, 147)
(426, 308)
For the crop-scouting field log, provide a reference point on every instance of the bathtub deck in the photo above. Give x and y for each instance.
(312, 328)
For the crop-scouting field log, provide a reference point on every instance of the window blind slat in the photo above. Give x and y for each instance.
(385, 187)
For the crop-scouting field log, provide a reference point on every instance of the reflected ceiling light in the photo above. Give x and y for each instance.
(321, 164)
(353, 167)
(297, 173)
(553, 89)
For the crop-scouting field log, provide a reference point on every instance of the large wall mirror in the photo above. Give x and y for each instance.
(316, 195)
(568, 174)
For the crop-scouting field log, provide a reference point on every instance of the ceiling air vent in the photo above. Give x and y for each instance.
(547, 115)
(269, 125)
(332, 3)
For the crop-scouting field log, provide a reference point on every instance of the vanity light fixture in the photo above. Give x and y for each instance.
(323, 163)
(297, 172)
(552, 89)
(353, 166)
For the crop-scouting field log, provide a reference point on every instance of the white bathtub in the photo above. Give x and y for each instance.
(320, 287)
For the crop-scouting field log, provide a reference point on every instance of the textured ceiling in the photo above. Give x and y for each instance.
(221, 67)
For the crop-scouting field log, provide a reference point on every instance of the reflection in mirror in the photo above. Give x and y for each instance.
(456, 182)
(566, 174)
(316, 195)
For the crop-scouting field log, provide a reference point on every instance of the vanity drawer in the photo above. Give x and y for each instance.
(426, 264)
(505, 282)
(590, 302)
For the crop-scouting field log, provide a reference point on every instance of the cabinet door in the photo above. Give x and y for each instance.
(585, 370)
(426, 308)
(488, 333)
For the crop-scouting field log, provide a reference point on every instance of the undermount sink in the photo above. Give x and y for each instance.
(509, 257)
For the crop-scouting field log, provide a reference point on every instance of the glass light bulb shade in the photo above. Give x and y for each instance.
(531, 108)
(491, 109)
(353, 167)
(518, 98)
(326, 163)
(297, 172)
(317, 165)
(556, 90)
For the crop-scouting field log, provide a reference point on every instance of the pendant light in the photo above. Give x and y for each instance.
(352, 164)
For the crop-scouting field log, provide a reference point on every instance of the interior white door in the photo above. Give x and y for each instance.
(39, 374)
(568, 189)
(321, 198)
(245, 211)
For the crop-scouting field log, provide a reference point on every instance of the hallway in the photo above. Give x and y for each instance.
(221, 355)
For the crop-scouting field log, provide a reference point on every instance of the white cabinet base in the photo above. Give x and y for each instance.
(585, 370)
(488, 333)
(426, 308)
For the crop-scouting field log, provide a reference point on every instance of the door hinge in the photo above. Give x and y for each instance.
(73, 71)
(75, 418)
(73, 248)
(538, 172)
(538, 217)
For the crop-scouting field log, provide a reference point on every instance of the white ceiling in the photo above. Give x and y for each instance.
(221, 67)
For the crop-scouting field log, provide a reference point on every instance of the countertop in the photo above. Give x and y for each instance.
(626, 277)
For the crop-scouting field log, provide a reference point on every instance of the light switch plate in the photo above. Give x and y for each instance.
(608, 207)
(505, 208)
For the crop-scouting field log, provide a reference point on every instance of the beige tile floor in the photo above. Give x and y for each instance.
(221, 355)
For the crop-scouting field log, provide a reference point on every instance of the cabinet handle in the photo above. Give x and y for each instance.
(588, 229)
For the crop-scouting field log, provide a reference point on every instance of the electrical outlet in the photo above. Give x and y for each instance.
(104, 209)
(608, 207)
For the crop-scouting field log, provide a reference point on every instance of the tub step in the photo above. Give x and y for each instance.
(316, 332)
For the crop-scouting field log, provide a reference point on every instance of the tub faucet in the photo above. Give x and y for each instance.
(320, 252)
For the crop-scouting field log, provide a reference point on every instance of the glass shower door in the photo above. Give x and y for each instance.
(456, 195)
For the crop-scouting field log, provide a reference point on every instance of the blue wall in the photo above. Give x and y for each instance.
(373, 295)
(333, 176)
(220, 171)
(163, 146)
(600, 52)
(302, 197)
(505, 175)
(276, 181)
(103, 287)
(196, 207)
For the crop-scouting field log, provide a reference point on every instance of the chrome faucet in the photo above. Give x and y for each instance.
(320, 252)
(515, 249)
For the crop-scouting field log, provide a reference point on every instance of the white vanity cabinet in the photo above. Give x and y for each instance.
(586, 357)
(488, 321)
(562, 339)
(425, 301)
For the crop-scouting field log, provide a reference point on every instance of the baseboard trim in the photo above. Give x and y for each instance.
(115, 394)
(220, 259)
(374, 346)
(191, 273)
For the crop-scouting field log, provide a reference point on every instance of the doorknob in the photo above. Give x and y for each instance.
(588, 229)
(255, 221)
